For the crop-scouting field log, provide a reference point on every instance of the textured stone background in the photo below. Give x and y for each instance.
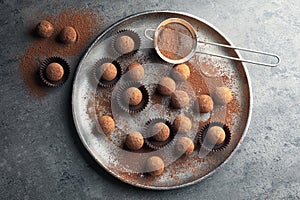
(41, 156)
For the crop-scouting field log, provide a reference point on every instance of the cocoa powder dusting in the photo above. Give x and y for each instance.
(207, 85)
(201, 84)
(87, 24)
(156, 98)
(102, 101)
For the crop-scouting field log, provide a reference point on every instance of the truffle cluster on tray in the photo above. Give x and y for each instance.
(158, 133)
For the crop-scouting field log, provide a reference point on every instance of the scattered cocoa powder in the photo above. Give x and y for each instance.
(201, 84)
(197, 81)
(99, 101)
(86, 22)
(207, 85)
(156, 98)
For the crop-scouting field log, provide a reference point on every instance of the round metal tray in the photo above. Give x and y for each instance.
(89, 101)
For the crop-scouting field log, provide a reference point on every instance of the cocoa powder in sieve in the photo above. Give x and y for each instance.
(87, 24)
(175, 41)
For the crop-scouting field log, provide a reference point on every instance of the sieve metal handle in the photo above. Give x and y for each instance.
(146, 33)
(245, 50)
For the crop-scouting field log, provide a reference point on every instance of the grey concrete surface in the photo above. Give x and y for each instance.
(41, 156)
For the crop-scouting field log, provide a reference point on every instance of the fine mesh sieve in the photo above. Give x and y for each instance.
(175, 41)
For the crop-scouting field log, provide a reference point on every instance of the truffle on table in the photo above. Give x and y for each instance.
(222, 95)
(44, 29)
(160, 132)
(205, 103)
(184, 145)
(182, 124)
(181, 72)
(54, 71)
(134, 141)
(135, 71)
(133, 96)
(68, 35)
(107, 124)
(166, 86)
(215, 135)
(124, 44)
(108, 71)
(155, 166)
(179, 99)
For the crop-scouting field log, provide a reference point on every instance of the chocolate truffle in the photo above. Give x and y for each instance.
(44, 29)
(124, 44)
(54, 71)
(160, 132)
(134, 141)
(133, 96)
(215, 135)
(179, 99)
(222, 95)
(68, 35)
(108, 71)
(205, 103)
(182, 124)
(135, 71)
(181, 72)
(107, 124)
(155, 166)
(166, 86)
(184, 145)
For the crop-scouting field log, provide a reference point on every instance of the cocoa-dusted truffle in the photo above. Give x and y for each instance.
(215, 135)
(160, 131)
(44, 29)
(124, 44)
(179, 99)
(166, 86)
(181, 72)
(133, 96)
(182, 124)
(135, 71)
(205, 103)
(54, 71)
(222, 95)
(107, 124)
(134, 141)
(108, 71)
(155, 166)
(68, 35)
(184, 145)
